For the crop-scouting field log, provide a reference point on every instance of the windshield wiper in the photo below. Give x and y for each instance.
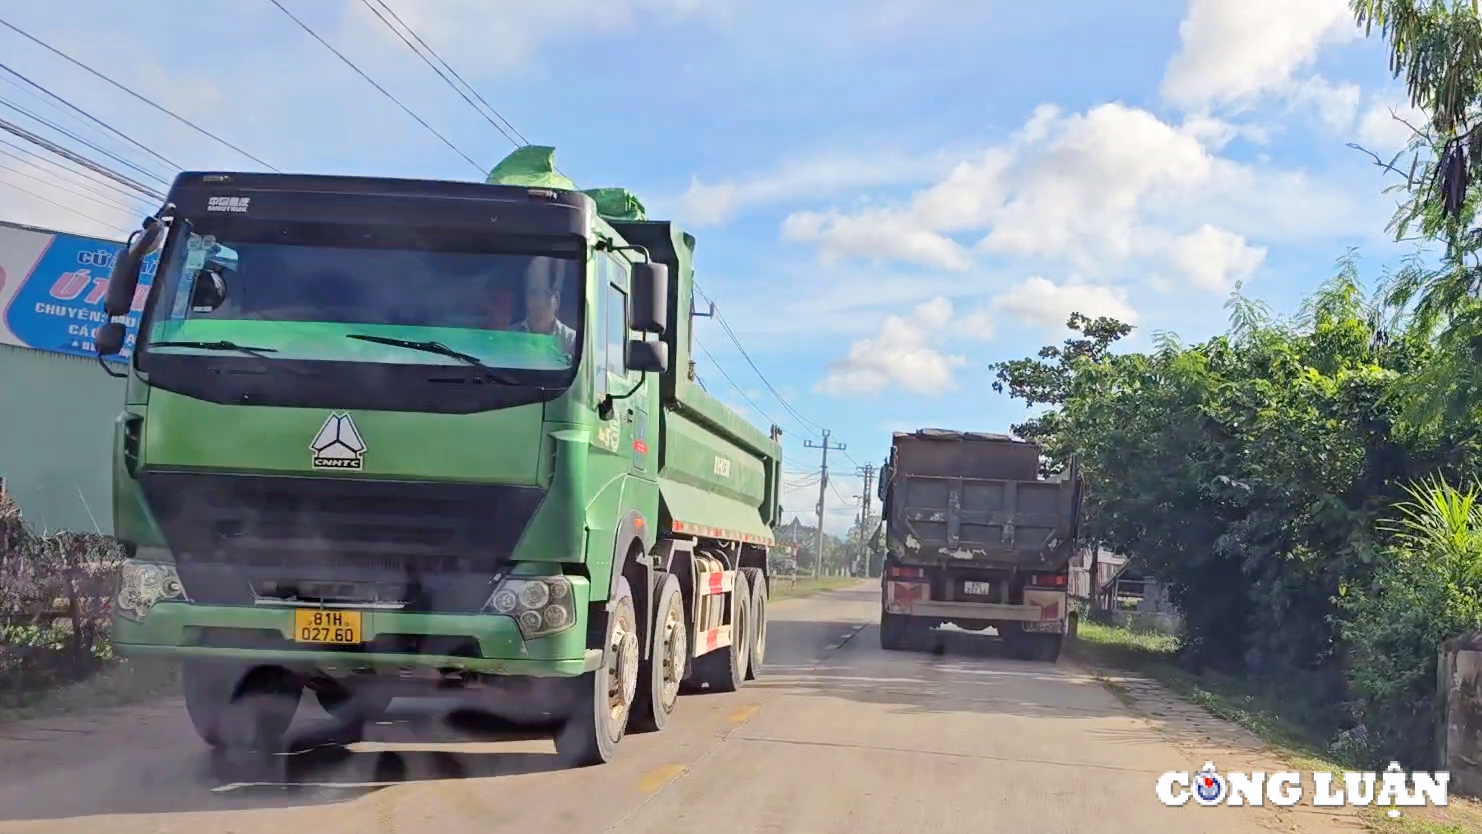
(221, 345)
(441, 350)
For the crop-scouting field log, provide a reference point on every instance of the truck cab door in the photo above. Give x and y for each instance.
(632, 417)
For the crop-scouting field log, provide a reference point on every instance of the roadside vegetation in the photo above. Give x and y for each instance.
(54, 642)
(1306, 484)
(786, 587)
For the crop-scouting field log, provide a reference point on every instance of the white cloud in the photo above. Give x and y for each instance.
(902, 354)
(1043, 303)
(1213, 259)
(876, 234)
(818, 177)
(1335, 105)
(1093, 190)
(1236, 50)
(1381, 128)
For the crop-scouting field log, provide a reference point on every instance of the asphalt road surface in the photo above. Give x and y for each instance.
(836, 736)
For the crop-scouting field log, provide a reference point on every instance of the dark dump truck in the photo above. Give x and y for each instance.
(976, 538)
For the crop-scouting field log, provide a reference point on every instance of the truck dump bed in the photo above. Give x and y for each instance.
(719, 475)
(971, 498)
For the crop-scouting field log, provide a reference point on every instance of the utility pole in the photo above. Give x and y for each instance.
(868, 473)
(822, 489)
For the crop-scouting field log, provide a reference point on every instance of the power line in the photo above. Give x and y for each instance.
(727, 377)
(85, 175)
(110, 128)
(725, 326)
(77, 158)
(369, 80)
(188, 123)
(69, 134)
(444, 77)
(83, 194)
(59, 205)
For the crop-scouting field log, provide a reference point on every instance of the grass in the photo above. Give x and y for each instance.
(783, 588)
(118, 684)
(1261, 711)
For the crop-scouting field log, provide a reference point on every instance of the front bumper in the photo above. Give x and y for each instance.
(393, 641)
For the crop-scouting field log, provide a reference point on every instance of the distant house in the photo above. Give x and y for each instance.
(1120, 583)
(1107, 564)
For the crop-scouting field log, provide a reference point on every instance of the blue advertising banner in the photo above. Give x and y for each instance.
(52, 286)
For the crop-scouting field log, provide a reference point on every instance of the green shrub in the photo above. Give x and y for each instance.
(1428, 589)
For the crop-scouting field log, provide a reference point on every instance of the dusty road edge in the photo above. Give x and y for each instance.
(1202, 736)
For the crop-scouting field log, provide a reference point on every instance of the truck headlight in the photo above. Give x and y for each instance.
(540, 605)
(142, 584)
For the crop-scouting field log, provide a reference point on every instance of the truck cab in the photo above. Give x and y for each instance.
(388, 438)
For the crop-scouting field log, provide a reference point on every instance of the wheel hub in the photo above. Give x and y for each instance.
(676, 649)
(622, 671)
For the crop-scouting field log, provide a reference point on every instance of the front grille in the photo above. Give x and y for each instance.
(431, 546)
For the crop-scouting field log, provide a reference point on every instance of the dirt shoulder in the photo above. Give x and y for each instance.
(1238, 734)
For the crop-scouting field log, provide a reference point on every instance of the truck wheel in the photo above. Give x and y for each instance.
(1029, 645)
(234, 707)
(661, 675)
(724, 670)
(758, 638)
(591, 733)
(1047, 647)
(895, 632)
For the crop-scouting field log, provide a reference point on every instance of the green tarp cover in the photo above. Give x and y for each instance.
(534, 166)
(617, 204)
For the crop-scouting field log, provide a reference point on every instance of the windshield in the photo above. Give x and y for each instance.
(314, 301)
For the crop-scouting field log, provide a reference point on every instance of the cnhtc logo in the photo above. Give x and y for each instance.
(338, 444)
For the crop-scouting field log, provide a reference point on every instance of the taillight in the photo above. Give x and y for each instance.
(906, 573)
(1048, 580)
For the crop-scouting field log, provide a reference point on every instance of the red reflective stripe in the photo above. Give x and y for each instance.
(717, 581)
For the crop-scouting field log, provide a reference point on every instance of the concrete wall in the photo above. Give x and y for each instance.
(1459, 713)
(56, 438)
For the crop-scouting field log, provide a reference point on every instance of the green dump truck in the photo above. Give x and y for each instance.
(389, 438)
(976, 538)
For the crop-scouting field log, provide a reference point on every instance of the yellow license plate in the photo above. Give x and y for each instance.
(321, 626)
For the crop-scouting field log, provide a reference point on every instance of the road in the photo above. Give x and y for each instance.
(837, 736)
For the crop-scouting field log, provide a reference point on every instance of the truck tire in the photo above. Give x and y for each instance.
(758, 638)
(660, 676)
(895, 632)
(597, 723)
(235, 707)
(1033, 646)
(724, 670)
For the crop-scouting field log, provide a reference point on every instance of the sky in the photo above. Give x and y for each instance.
(888, 197)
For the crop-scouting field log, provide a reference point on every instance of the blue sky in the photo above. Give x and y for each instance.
(887, 196)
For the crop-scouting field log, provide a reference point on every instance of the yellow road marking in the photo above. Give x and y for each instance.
(659, 777)
(741, 714)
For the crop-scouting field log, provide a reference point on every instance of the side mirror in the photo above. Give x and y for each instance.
(208, 291)
(110, 338)
(649, 305)
(647, 357)
(124, 278)
(883, 487)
